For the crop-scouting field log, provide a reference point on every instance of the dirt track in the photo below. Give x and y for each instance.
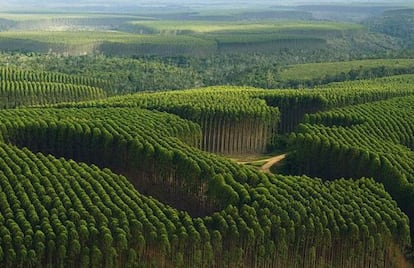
(271, 161)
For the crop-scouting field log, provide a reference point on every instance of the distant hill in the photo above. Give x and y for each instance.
(398, 23)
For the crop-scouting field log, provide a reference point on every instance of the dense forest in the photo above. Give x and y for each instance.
(139, 139)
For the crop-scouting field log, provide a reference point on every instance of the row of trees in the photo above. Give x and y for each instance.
(20, 93)
(15, 74)
(353, 74)
(104, 133)
(233, 121)
(56, 211)
(240, 120)
(28, 88)
(294, 104)
(145, 72)
(374, 140)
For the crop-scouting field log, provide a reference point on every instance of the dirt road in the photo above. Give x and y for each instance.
(268, 162)
(271, 161)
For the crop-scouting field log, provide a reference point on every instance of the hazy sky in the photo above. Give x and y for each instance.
(39, 4)
(184, 2)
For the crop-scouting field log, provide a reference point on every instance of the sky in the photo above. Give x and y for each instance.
(28, 5)
(184, 2)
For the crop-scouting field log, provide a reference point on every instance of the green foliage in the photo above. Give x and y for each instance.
(26, 88)
(242, 27)
(232, 119)
(233, 110)
(294, 104)
(80, 213)
(161, 38)
(373, 140)
(398, 22)
(110, 43)
(305, 75)
(129, 35)
(106, 183)
(115, 75)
